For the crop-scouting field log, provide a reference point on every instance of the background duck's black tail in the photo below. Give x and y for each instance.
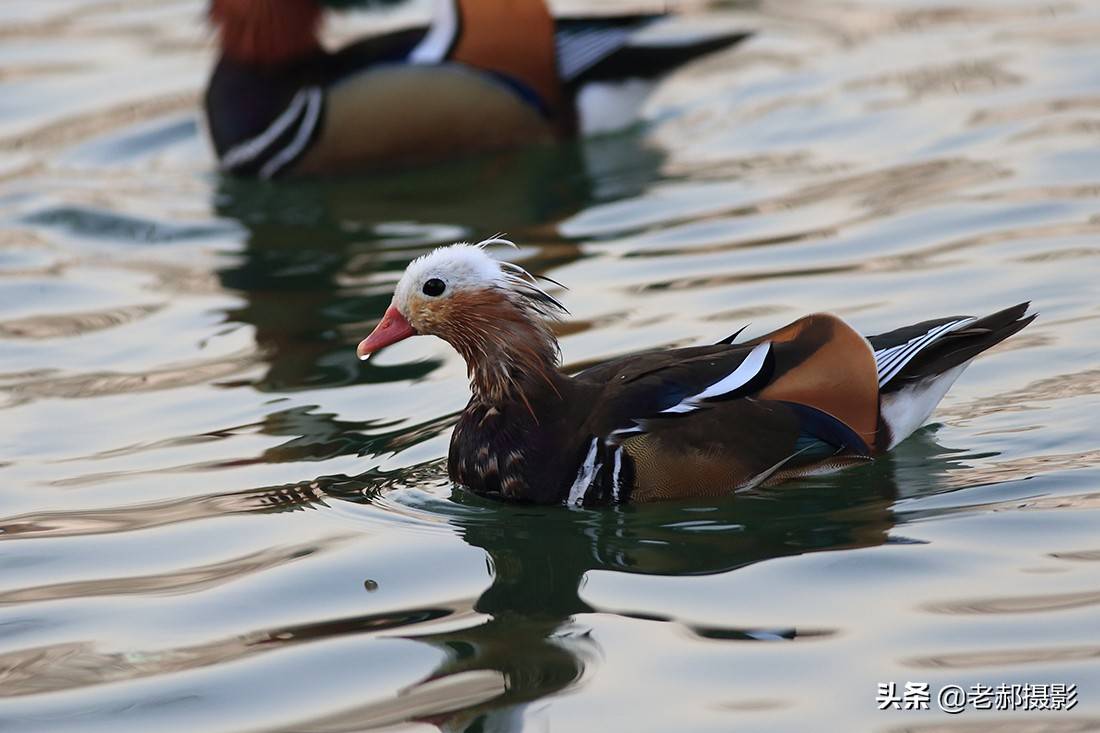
(917, 364)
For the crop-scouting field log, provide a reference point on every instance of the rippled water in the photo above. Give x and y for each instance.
(213, 518)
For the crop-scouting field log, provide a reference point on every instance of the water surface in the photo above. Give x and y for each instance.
(213, 518)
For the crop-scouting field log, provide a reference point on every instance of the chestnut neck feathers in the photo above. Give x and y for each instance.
(267, 32)
(510, 351)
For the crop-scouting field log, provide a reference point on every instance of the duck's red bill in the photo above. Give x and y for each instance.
(390, 330)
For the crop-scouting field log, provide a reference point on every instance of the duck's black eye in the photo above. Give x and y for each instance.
(434, 287)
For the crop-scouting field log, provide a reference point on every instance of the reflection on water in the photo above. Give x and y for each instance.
(320, 258)
(539, 559)
(519, 630)
(213, 517)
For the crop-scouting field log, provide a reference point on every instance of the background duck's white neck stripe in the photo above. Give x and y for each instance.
(301, 139)
(246, 151)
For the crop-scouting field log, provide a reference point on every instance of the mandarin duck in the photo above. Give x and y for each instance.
(811, 397)
(485, 75)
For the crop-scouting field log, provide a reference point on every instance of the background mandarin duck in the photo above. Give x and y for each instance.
(810, 397)
(485, 75)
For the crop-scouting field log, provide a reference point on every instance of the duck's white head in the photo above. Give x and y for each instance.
(485, 308)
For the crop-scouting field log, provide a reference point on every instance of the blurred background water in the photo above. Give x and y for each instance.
(213, 518)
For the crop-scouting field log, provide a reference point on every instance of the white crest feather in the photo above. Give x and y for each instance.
(467, 266)
(497, 239)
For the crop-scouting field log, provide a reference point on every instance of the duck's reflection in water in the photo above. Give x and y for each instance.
(524, 637)
(316, 252)
(539, 557)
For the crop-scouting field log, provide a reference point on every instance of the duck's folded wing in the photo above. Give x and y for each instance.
(731, 416)
(676, 384)
(818, 362)
(734, 446)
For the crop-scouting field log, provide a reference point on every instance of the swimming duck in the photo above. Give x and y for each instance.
(485, 75)
(811, 397)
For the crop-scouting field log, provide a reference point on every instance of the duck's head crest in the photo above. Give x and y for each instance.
(466, 297)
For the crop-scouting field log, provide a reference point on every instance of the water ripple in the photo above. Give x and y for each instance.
(74, 665)
(1016, 604)
(74, 324)
(1001, 658)
(215, 518)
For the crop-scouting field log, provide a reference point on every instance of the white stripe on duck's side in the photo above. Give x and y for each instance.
(634, 428)
(767, 473)
(892, 360)
(587, 471)
(304, 111)
(745, 372)
(246, 151)
(739, 377)
(301, 139)
(616, 476)
(588, 474)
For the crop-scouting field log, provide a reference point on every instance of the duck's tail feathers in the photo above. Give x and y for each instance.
(918, 364)
(610, 54)
(917, 353)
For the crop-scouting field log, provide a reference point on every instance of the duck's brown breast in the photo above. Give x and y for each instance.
(506, 451)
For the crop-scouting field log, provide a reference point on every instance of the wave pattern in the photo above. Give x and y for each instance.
(213, 517)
